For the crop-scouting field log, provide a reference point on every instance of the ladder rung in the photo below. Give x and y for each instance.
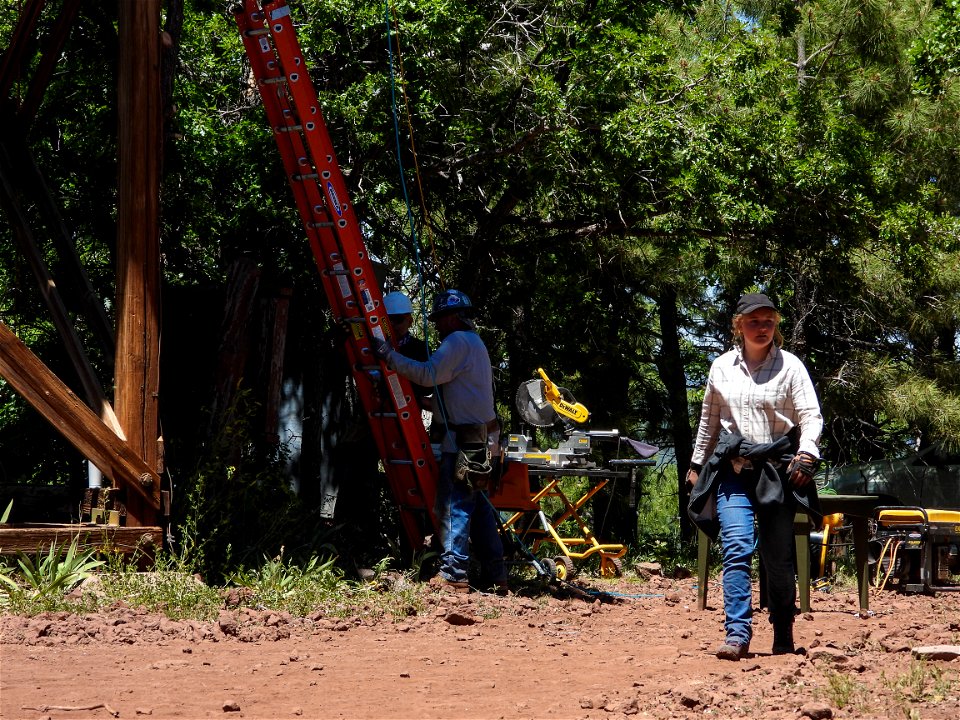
(306, 176)
(322, 224)
(383, 414)
(336, 272)
(258, 32)
(400, 462)
(290, 128)
(274, 80)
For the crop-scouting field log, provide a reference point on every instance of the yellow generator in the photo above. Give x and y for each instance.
(917, 548)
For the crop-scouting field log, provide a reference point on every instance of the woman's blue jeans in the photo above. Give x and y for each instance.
(467, 521)
(739, 519)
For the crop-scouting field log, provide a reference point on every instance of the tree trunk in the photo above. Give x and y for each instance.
(243, 281)
(670, 366)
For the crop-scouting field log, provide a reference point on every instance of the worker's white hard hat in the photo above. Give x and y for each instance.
(396, 303)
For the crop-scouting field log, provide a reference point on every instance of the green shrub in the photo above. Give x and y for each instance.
(47, 577)
(178, 595)
(658, 524)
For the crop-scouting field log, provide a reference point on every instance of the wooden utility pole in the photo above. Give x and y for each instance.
(138, 239)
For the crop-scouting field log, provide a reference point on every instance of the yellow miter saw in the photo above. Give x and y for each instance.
(543, 404)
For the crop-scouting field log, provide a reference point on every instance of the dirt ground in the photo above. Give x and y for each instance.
(639, 650)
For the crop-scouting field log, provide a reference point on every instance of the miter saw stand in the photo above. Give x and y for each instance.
(542, 404)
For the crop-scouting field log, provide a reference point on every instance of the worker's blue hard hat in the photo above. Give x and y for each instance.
(450, 301)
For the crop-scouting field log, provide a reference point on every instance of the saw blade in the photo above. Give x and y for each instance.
(534, 408)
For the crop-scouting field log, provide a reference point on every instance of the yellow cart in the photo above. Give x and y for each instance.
(514, 494)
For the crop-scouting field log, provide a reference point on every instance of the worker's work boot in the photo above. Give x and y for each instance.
(439, 582)
(733, 649)
(783, 639)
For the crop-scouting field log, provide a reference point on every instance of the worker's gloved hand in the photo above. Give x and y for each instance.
(381, 348)
(802, 468)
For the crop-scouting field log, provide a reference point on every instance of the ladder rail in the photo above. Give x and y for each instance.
(341, 256)
(266, 68)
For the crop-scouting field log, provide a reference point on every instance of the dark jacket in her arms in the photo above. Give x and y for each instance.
(769, 462)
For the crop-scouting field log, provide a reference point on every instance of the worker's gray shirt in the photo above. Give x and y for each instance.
(461, 367)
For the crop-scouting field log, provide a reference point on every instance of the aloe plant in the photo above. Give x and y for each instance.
(52, 572)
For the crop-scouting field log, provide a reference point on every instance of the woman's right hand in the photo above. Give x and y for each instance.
(692, 476)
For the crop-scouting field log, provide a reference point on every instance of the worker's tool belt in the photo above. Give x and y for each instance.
(473, 459)
(438, 429)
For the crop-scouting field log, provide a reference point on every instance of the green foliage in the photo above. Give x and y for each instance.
(8, 583)
(318, 585)
(658, 529)
(843, 690)
(239, 502)
(275, 581)
(167, 588)
(922, 682)
(48, 575)
(313, 586)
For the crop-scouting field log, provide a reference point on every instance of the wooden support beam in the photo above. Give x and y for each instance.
(76, 422)
(15, 56)
(48, 61)
(243, 282)
(140, 146)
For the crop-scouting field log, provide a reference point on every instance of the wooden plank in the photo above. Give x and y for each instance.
(32, 538)
(243, 282)
(75, 421)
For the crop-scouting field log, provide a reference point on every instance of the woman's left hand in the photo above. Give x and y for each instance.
(802, 468)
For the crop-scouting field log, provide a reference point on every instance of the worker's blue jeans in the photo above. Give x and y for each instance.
(737, 512)
(466, 520)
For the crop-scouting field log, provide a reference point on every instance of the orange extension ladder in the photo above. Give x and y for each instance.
(341, 256)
